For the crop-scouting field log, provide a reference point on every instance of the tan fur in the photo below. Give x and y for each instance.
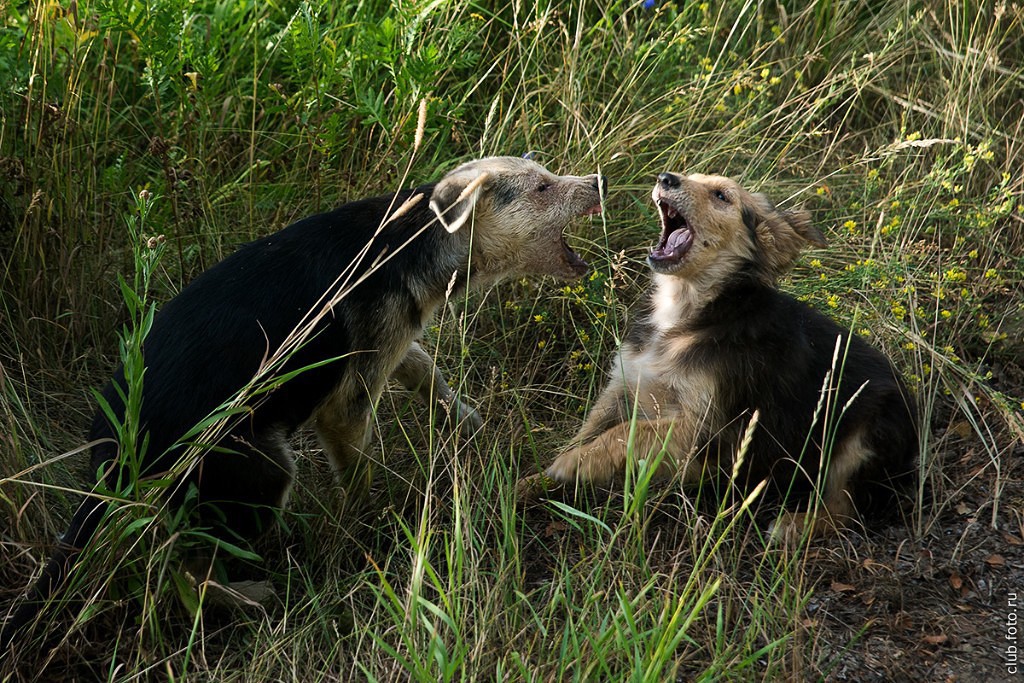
(512, 229)
(676, 411)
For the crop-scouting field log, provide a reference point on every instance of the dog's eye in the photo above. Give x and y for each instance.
(720, 196)
(542, 187)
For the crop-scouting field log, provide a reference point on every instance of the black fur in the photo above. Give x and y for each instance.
(769, 351)
(209, 341)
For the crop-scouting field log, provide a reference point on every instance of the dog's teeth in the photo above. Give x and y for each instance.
(670, 212)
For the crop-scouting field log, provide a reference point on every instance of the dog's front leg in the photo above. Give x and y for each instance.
(611, 408)
(417, 372)
(343, 425)
(602, 460)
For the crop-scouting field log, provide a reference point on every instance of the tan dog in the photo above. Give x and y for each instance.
(716, 342)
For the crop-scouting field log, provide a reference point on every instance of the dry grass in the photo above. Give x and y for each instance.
(898, 127)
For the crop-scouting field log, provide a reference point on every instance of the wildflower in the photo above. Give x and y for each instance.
(851, 226)
(815, 263)
(955, 274)
(991, 273)
(833, 301)
(897, 309)
(538, 318)
(541, 344)
(946, 314)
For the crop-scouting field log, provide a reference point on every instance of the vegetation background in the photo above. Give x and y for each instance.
(898, 124)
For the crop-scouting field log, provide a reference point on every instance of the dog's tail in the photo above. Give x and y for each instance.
(84, 524)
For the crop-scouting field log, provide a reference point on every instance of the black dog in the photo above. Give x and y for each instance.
(334, 304)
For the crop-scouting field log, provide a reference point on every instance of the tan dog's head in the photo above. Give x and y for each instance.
(711, 228)
(514, 211)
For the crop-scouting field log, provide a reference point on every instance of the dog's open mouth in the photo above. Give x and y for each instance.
(676, 236)
(572, 259)
(575, 262)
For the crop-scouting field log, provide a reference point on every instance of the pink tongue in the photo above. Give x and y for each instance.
(679, 240)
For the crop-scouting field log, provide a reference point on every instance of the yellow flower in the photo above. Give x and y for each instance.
(991, 273)
(815, 263)
(538, 318)
(955, 274)
(541, 344)
(946, 314)
(833, 301)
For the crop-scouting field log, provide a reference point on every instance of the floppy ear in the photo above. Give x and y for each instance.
(800, 221)
(780, 235)
(455, 196)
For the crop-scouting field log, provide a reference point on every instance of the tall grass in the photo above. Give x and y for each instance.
(899, 126)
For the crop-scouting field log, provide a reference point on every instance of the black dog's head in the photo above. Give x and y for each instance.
(515, 211)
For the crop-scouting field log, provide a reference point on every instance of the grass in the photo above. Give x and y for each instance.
(897, 125)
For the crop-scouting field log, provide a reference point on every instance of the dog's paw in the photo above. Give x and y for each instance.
(791, 529)
(237, 595)
(535, 487)
(458, 415)
(468, 419)
(566, 467)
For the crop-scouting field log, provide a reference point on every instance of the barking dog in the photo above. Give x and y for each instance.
(361, 282)
(716, 342)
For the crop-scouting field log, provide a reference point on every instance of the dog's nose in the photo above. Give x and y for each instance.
(600, 183)
(669, 180)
